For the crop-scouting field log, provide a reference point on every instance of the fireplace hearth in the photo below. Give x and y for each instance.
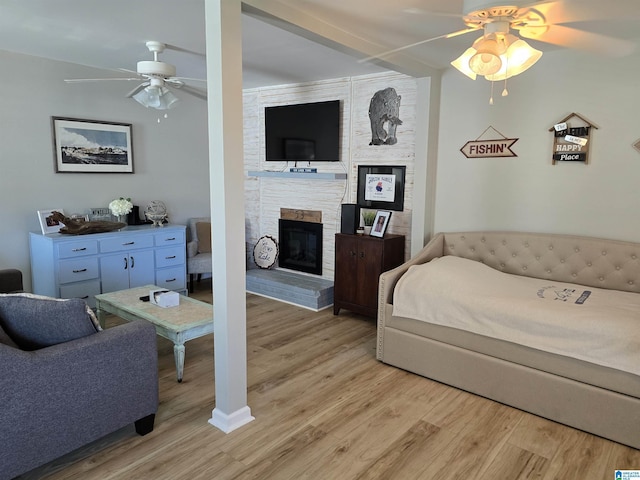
(300, 246)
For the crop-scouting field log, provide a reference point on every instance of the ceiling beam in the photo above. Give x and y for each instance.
(301, 23)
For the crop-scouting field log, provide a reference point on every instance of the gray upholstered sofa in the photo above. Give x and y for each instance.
(57, 398)
(600, 400)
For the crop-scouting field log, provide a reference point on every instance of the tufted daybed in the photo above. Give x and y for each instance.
(566, 388)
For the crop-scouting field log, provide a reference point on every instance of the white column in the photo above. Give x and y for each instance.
(226, 180)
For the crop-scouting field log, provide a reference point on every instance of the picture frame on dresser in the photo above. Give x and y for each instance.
(47, 223)
(91, 146)
(380, 223)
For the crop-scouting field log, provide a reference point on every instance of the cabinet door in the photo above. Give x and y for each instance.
(114, 272)
(141, 268)
(345, 282)
(127, 270)
(370, 254)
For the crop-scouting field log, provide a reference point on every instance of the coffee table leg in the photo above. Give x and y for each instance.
(178, 353)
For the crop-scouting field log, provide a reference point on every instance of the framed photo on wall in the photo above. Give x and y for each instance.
(91, 146)
(381, 186)
(47, 223)
(380, 223)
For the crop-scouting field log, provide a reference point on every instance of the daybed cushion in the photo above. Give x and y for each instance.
(34, 321)
(542, 314)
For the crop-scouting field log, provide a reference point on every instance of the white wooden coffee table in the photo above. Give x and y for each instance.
(191, 319)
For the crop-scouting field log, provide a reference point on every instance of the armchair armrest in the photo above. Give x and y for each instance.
(192, 248)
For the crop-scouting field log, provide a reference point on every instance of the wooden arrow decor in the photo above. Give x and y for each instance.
(494, 148)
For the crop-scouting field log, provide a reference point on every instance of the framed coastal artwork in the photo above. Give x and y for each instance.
(91, 146)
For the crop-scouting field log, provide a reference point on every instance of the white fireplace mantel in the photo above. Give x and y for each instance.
(298, 175)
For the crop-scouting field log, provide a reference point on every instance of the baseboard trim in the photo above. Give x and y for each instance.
(228, 422)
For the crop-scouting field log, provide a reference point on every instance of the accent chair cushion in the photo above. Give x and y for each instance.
(203, 230)
(34, 321)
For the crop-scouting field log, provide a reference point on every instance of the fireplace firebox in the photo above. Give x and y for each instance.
(300, 246)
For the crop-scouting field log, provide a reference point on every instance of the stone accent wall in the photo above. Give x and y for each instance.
(265, 196)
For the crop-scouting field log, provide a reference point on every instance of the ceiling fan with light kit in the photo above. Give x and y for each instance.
(156, 77)
(500, 54)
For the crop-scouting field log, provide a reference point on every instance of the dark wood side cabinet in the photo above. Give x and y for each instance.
(360, 259)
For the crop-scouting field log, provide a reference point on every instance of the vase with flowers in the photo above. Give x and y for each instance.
(120, 208)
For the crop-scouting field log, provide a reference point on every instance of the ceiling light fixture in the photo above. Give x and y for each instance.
(156, 95)
(497, 55)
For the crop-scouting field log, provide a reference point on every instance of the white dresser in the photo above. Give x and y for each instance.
(70, 266)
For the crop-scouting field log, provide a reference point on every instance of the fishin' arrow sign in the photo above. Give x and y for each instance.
(489, 148)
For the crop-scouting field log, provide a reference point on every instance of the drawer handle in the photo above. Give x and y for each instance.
(79, 249)
(80, 271)
(128, 243)
(169, 239)
(361, 254)
(170, 280)
(169, 258)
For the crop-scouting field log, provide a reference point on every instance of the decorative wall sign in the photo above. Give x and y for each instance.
(265, 252)
(489, 148)
(571, 139)
(384, 109)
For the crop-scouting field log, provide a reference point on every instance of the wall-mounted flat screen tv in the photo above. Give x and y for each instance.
(306, 132)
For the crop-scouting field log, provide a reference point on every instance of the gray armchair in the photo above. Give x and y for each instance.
(63, 396)
(199, 258)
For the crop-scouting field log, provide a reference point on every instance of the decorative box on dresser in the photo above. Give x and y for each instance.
(70, 266)
(360, 259)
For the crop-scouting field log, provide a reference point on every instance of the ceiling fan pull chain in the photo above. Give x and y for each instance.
(491, 99)
(505, 92)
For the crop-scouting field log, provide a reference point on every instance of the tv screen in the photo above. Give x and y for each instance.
(307, 132)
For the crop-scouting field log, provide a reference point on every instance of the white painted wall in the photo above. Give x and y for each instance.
(265, 196)
(170, 157)
(528, 193)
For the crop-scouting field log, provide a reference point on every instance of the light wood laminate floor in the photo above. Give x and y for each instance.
(325, 408)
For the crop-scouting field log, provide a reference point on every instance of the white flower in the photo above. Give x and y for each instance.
(121, 206)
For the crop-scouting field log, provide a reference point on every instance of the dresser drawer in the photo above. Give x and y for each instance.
(167, 257)
(77, 249)
(167, 239)
(171, 278)
(84, 290)
(124, 243)
(78, 270)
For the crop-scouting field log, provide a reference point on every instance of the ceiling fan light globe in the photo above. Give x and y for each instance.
(518, 58)
(485, 63)
(462, 63)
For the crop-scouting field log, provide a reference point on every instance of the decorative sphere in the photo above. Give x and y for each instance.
(156, 211)
(156, 207)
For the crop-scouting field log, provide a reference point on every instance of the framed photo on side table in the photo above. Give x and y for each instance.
(380, 223)
(47, 223)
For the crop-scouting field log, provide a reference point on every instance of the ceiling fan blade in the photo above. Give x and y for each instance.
(192, 91)
(188, 79)
(421, 42)
(140, 87)
(80, 80)
(574, 11)
(579, 40)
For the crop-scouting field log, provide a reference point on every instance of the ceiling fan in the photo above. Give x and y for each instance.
(156, 77)
(499, 54)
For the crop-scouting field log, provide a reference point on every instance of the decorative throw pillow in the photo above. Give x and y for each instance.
(203, 230)
(34, 321)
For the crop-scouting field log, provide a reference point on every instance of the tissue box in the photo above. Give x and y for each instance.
(164, 298)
